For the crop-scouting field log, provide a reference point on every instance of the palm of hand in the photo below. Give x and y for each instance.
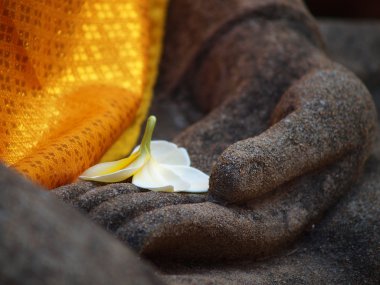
(298, 130)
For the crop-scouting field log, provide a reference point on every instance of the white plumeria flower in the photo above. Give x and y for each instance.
(154, 165)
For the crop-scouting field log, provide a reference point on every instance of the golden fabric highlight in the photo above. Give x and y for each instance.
(157, 15)
(74, 75)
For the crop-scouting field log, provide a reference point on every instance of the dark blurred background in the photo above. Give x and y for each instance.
(357, 9)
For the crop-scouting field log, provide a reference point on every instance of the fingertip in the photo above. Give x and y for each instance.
(236, 176)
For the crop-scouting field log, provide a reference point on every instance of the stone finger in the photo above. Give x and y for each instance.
(201, 231)
(70, 192)
(124, 207)
(241, 78)
(321, 118)
(212, 232)
(98, 195)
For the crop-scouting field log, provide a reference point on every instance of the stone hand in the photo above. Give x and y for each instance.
(287, 133)
(265, 190)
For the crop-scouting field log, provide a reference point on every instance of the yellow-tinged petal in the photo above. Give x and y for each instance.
(110, 167)
(120, 170)
(119, 175)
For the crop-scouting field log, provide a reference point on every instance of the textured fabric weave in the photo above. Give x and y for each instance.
(75, 77)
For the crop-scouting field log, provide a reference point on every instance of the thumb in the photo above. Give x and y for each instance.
(331, 114)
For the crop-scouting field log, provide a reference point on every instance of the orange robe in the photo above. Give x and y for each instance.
(75, 82)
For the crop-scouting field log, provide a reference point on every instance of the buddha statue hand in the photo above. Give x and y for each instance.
(287, 132)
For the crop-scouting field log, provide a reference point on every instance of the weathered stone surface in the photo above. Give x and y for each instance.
(301, 128)
(354, 44)
(343, 248)
(308, 126)
(305, 127)
(325, 116)
(113, 205)
(193, 26)
(43, 241)
(250, 95)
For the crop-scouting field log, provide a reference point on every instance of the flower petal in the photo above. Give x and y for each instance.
(109, 167)
(199, 181)
(99, 172)
(156, 177)
(168, 153)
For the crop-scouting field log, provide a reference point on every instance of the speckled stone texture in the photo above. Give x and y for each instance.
(343, 248)
(288, 131)
(195, 26)
(315, 124)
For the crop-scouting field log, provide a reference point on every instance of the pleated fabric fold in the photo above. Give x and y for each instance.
(76, 81)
